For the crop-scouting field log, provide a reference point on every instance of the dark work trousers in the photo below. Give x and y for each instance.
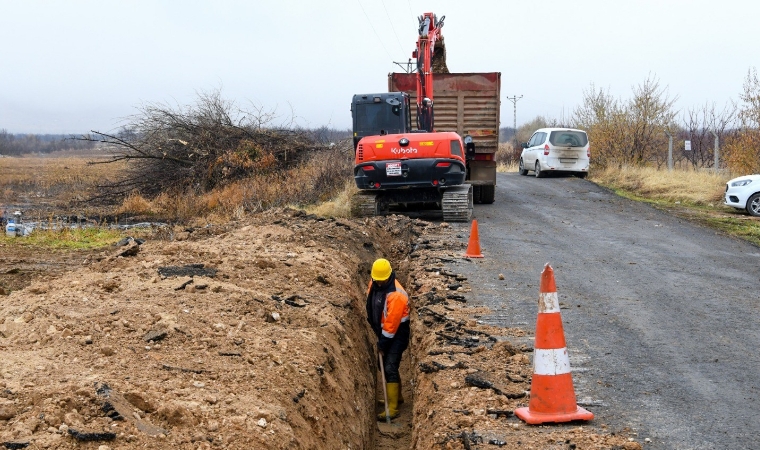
(392, 360)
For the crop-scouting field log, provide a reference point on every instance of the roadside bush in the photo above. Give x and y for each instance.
(742, 150)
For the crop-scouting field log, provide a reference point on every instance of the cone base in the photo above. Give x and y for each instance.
(472, 256)
(534, 418)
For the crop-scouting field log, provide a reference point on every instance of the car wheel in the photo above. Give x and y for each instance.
(753, 204)
(539, 173)
(581, 174)
(522, 169)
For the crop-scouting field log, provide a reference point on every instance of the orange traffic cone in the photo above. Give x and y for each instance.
(552, 397)
(473, 247)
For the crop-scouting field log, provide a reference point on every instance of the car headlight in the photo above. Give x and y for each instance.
(741, 183)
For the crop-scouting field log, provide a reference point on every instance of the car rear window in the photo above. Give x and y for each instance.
(569, 138)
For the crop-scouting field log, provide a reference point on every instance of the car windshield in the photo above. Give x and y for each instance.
(569, 138)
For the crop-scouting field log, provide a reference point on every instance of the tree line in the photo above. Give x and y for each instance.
(19, 144)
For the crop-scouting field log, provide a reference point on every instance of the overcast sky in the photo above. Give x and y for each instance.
(73, 66)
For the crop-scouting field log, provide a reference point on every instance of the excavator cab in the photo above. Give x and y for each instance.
(380, 114)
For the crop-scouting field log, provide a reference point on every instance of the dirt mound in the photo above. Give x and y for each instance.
(258, 356)
(255, 337)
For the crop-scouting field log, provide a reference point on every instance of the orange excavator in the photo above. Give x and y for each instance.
(406, 168)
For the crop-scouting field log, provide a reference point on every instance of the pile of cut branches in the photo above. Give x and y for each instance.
(198, 148)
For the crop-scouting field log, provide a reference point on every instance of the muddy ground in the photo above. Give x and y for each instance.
(253, 335)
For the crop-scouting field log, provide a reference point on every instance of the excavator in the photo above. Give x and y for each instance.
(408, 166)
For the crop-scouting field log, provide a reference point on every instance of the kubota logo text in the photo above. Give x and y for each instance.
(403, 151)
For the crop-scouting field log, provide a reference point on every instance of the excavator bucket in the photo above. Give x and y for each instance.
(438, 60)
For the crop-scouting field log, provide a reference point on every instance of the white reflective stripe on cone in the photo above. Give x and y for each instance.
(551, 362)
(548, 302)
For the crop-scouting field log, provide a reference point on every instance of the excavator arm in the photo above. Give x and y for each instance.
(429, 44)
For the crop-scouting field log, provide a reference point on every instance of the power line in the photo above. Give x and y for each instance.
(393, 28)
(373, 29)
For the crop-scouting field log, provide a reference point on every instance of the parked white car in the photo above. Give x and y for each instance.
(744, 193)
(556, 150)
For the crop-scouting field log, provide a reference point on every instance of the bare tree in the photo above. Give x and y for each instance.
(629, 132)
(650, 113)
(699, 124)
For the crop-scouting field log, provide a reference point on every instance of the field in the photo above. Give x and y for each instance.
(43, 186)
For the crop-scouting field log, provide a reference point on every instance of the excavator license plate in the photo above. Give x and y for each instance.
(393, 169)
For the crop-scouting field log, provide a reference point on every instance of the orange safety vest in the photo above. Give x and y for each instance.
(395, 310)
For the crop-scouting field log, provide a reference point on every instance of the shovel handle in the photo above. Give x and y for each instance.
(385, 391)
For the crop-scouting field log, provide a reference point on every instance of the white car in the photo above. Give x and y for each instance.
(744, 193)
(556, 150)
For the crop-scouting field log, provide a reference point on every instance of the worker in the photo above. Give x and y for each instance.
(388, 315)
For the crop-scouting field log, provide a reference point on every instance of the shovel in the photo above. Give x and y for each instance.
(385, 391)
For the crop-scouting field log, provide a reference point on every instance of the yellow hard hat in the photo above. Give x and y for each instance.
(381, 270)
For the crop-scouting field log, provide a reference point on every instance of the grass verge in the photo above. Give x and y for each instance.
(694, 195)
(67, 238)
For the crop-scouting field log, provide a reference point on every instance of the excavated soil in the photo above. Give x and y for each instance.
(253, 335)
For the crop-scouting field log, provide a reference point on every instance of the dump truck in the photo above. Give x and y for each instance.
(467, 104)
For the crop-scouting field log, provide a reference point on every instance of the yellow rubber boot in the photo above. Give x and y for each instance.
(393, 390)
(381, 401)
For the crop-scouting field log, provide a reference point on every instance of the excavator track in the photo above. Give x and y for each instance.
(457, 203)
(364, 205)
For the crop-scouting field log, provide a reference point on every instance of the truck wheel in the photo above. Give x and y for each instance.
(487, 193)
(522, 169)
(539, 173)
(476, 194)
(581, 174)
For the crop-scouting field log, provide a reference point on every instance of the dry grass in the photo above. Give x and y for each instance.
(46, 172)
(135, 204)
(322, 178)
(507, 167)
(48, 178)
(695, 195)
(339, 206)
(686, 186)
(506, 156)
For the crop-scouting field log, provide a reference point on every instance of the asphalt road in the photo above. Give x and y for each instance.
(660, 315)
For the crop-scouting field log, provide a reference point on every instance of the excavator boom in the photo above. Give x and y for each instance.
(429, 37)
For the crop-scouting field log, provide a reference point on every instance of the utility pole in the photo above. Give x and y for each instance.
(514, 115)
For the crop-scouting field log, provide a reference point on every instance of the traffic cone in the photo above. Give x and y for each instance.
(552, 398)
(473, 247)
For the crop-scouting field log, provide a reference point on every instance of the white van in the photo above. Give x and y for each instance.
(556, 150)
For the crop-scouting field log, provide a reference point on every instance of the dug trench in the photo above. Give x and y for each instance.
(253, 335)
